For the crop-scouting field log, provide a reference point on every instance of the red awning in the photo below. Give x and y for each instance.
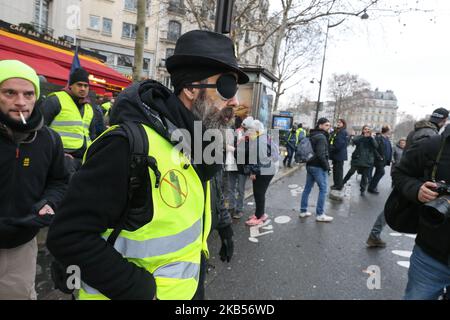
(28, 47)
(53, 72)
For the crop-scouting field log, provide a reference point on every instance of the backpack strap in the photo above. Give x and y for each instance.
(140, 161)
(438, 158)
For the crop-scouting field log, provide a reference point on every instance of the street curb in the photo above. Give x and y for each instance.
(249, 193)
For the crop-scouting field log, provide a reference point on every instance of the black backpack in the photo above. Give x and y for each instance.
(140, 162)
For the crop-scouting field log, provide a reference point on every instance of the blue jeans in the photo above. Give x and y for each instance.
(378, 226)
(427, 277)
(318, 175)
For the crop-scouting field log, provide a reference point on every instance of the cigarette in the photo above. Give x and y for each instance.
(22, 117)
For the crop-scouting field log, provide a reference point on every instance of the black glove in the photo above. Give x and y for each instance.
(227, 248)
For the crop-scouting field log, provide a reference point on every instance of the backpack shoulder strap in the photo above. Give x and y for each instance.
(139, 162)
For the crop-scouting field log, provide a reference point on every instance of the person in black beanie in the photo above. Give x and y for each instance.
(424, 129)
(70, 113)
(33, 178)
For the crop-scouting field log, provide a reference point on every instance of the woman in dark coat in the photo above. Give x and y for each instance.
(363, 157)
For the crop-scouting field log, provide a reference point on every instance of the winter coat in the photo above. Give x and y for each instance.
(397, 155)
(338, 148)
(32, 174)
(422, 129)
(384, 150)
(414, 169)
(97, 195)
(257, 161)
(365, 152)
(319, 143)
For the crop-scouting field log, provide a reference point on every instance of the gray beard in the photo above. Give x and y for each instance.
(208, 114)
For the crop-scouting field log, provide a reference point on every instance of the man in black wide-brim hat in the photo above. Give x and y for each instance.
(160, 253)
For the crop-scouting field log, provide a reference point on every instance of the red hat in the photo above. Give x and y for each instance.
(108, 94)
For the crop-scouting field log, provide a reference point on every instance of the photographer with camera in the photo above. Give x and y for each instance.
(423, 177)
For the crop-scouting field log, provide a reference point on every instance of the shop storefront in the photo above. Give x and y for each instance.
(52, 58)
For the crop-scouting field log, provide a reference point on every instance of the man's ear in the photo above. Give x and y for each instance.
(189, 93)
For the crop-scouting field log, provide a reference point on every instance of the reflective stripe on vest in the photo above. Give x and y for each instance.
(72, 128)
(169, 246)
(106, 106)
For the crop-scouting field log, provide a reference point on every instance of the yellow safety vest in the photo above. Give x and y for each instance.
(69, 124)
(297, 134)
(170, 245)
(106, 106)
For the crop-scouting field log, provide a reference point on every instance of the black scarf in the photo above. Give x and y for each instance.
(19, 132)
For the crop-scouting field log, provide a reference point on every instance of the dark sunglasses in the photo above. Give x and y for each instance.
(226, 86)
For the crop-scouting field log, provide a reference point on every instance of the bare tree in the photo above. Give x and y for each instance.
(139, 42)
(344, 88)
(299, 51)
(404, 127)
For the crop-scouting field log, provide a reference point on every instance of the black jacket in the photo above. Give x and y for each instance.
(413, 170)
(32, 174)
(51, 107)
(98, 191)
(365, 152)
(319, 142)
(338, 150)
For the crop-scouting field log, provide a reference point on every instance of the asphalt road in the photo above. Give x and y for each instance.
(304, 259)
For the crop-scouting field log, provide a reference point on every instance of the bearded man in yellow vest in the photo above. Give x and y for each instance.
(71, 115)
(160, 252)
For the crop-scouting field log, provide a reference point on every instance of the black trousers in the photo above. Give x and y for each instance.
(338, 174)
(365, 172)
(288, 159)
(260, 186)
(379, 173)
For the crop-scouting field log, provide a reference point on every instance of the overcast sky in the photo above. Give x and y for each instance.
(409, 54)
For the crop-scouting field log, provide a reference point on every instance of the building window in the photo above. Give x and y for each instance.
(94, 22)
(41, 8)
(107, 26)
(146, 64)
(131, 5)
(124, 61)
(174, 30)
(247, 37)
(167, 82)
(129, 31)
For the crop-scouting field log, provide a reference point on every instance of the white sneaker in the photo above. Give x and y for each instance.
(324, 218)
(305, 214)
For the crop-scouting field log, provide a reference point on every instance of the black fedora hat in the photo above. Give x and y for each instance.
(206, 48)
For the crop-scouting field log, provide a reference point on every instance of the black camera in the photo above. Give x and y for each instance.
(436, 212)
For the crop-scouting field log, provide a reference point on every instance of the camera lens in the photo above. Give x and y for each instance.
(436, 212)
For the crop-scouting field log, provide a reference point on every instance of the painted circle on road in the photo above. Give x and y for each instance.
(292, 186)
(282, 219)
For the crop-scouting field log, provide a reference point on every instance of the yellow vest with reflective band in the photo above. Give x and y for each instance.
(106, 106)
(297, 134)
(332, 138)
(170, 245)
(69, 124)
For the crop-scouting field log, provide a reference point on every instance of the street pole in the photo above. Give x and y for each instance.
(224, 13)
(321, 76)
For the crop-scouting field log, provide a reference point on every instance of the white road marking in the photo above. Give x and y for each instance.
(250, 203)
(402, 253)
(292, 186)
(253, 240)
(413, 236)
(404, 264)
(255, 230)
(395, 234)
(282, 219)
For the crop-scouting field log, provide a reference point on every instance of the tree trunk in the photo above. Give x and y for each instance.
(139, 43)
